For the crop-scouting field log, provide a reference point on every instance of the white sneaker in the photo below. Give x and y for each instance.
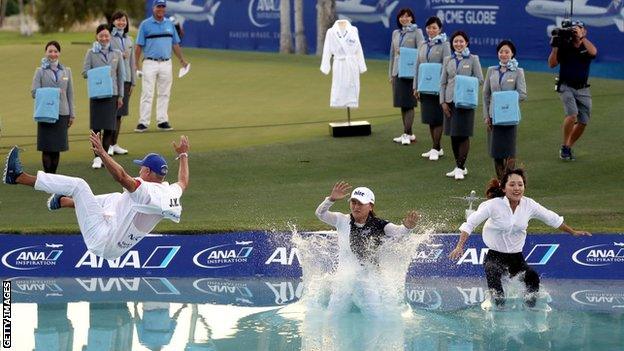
(412, 137)
(428, 153)
(434, 155)
(97, 163)
(111, 150)
(399, 139)
(459, 174)
(451, 174)
(465, 170)
(118, 150)
(405, 140)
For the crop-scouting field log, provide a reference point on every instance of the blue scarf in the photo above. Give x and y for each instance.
(412, 27)
(438, 39)
(118, 32)
(464, 54)
(46, 63)
(97, 47)
(511, 65)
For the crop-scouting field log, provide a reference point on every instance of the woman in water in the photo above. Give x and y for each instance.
(360, 234)
(508, 213)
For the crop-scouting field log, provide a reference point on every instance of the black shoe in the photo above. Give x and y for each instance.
(565, 153)
(140, 128)
(164, 126)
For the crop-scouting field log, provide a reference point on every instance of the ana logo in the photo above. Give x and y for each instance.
(286, 292)
(599, 298)
(222, 256)
(31, 286)
(263, 11)
(427, 256)
(539, 255)
(160, 257)
(281, 256)
(32, 257)
(422, 297)
(223, 287)
(600, 255)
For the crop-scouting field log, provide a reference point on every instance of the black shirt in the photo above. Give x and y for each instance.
(574, 66)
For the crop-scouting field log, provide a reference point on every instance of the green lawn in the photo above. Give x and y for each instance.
(261, 156)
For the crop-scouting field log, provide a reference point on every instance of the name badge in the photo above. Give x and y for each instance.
(65, 78)
(466, 66)
(510, 80)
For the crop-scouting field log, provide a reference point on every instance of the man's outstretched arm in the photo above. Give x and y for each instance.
(119, 174)
(183, 171)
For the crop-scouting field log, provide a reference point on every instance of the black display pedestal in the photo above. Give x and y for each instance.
(349, 128)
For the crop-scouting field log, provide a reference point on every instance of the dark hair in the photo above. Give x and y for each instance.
(117, 15)
(433, 19)
(463, 35)
(53, 43)
(511, 45)
(102, 27)
(495, 187)
(402, 12)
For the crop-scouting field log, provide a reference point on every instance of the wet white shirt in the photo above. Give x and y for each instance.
(504, 230)
(131, 219)
(342, 223)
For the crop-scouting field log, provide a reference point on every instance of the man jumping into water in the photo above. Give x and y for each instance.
(112, 223)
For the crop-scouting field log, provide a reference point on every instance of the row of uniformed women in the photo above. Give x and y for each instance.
(105, 114)
(440, 112)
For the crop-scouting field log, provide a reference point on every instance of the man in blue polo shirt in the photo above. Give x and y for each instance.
(156, 39)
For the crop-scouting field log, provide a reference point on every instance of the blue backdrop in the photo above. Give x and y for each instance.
(254, 24)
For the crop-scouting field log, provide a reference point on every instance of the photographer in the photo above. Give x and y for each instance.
(574, 52)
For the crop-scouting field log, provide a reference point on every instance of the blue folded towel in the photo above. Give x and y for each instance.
(429, 78)
(505, 108)
(47, 102)
(466, 93)
(407, 60)
(100, 82)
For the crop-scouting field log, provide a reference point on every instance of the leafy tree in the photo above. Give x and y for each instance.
(55, 15)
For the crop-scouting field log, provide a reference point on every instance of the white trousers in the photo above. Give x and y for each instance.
(94, 224)
(159, 74)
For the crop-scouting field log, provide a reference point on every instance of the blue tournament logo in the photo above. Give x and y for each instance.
(225, 255)
(33, 257)
(261, 12)
(600, 255)
(160, 257)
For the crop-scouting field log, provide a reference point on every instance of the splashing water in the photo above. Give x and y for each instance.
(347, 286)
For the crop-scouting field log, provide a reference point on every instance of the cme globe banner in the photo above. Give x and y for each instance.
(254, 24)
(253, 254)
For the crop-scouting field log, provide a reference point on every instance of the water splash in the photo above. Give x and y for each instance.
(347, 286)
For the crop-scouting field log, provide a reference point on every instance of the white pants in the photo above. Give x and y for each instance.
(160, 74)
(92, 220)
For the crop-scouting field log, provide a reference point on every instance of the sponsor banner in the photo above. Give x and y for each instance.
(254, 24)
(450, 294)
(256, 292)
(566, 294)
(250, 254)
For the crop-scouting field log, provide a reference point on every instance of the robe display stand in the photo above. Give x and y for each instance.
(347, 129)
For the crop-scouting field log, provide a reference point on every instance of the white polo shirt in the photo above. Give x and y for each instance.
(504, 230)
(135, 214)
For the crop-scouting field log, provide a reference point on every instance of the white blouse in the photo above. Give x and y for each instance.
(504, 230)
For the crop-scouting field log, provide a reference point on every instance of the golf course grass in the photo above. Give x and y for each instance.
(261, 156)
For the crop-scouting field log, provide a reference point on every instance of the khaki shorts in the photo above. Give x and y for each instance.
(576, 102)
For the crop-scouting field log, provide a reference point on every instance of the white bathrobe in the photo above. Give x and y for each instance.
(344, 45)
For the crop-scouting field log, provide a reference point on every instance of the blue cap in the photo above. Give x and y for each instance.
(155, 163)
(159, 3)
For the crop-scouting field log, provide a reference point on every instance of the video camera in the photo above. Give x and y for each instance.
(564, 36)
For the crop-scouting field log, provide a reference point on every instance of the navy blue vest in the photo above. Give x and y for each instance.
(365, 241)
